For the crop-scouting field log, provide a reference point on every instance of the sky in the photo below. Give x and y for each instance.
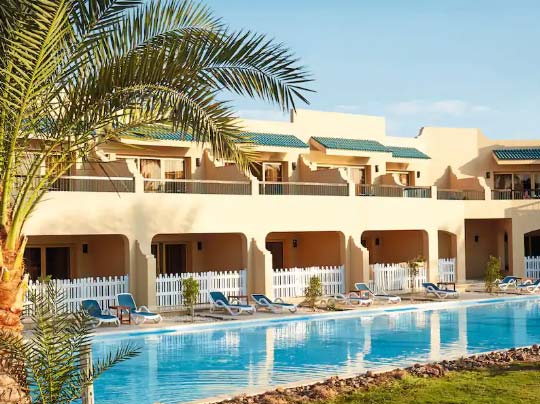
(454, 63)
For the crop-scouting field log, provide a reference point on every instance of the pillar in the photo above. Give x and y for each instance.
(459, 241)
(431, 246)
(142, 279)
(356, 262)
(259, 269)
(517, 251)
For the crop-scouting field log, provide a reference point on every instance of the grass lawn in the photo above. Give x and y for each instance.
(519, 383)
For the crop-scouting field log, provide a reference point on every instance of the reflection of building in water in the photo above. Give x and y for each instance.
(291, 334)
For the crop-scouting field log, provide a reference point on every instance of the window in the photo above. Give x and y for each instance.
(404, 179)
(357, 175)
(32, 262)
(522, 182)
(173, 169)
(272, 172)
(503, 181)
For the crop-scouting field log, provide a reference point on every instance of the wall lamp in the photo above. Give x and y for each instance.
(376, 169)
(295, 243)
(199, 245)
(488, 175)
(293, 166)
(198, 162)
(418, 174)
(476, 238)
(377, 241)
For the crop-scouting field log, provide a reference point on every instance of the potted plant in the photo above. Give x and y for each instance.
(190, 292)
(492, 273)
(313, 291)
(413, 267)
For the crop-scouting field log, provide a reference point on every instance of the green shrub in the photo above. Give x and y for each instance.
(190, 290)
(313, 291)
(413, 267)
(493, 272)
(56, 354)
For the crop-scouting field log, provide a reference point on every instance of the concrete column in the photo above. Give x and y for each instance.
(142, 280)
(459, 241)
(356, 263)
(517, 252)
(431, 245)
(259, 271)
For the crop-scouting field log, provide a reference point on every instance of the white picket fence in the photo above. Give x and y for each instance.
(169, 286)
(395, 277)
(292, 282)
(104, 290)
(532, 267)
(447, 270)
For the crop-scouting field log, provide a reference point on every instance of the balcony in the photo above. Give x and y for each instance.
(461, 195)
(205, 187)
(303, 188)
(392, 191)
(512, 194)
(93, 184)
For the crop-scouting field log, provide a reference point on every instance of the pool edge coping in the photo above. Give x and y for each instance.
(383, 309)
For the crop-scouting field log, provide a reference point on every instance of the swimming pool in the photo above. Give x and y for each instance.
(183, 366)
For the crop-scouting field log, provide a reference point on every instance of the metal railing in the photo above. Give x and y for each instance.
(93, 184)
(392, 191)
(461, 194)
(303, 188)
(510, 194)
(207, 187)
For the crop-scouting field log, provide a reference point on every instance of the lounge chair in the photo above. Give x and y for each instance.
(141, 314)
(383, 296)
(530, 287)
(348, 299)
(431, 288)
(220, 302)
(93, 309)
(506, 282)
(276, 306)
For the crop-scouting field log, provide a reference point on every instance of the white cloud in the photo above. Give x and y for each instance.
(263, 114)
(441, 108)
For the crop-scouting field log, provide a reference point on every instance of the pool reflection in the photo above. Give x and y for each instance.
(190, 366)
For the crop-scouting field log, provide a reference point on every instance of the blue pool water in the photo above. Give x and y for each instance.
(184, 366)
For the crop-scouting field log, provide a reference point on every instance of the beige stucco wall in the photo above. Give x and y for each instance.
(313, 248)
(490, 235)
(107, 254)
(394, 246)
(220, 252)
(460, 159)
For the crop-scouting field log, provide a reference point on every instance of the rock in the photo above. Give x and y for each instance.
(324, 393)
(400, 374)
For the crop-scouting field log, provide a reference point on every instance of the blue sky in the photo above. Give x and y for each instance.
(457, 63)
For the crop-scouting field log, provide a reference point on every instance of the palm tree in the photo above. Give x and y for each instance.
(77, 73)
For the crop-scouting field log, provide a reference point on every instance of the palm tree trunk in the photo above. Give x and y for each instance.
(13, 286)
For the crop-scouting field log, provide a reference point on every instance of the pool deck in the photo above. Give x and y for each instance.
(205, 320)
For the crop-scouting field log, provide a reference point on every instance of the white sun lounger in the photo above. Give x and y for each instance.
(349, 299)
(220, 302)
(431, 288)
(383, 296)
(275, 306)
(530, 287)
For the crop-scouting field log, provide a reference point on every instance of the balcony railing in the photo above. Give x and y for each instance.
(303, 188)
(461, 194)
(512, 194)
(206, 187)
(392, 191)
(93, 184)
